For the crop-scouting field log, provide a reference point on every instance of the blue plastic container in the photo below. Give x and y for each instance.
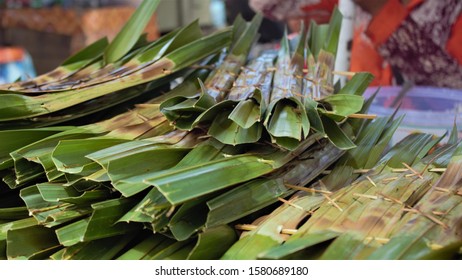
(13, 70)
(426, 109)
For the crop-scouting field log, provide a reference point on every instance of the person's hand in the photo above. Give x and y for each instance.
(371, 6)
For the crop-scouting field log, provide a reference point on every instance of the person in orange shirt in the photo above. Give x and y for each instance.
(420, 40)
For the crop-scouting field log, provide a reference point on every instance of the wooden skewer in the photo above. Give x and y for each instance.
(370, 180)
(246, 227)
(442, 190)
(401, 170)
(391, 199)
(307, 189)
(428, 216)
(332, 201)
(344, 73)
(363, 116)
(290, 203)
(289, 231)
(412, 170)
(380, 240)
(449, 191)
(360, 116)
(386, 180)
(366, 195)
(376, 197)
(170, 211)
(437, 170)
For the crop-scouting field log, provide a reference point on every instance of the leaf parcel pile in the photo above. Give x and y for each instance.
(244, 158)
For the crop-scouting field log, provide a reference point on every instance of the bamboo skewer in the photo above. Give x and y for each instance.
(347, 74)
(246, 227)
(426, 215)
(363, 116)
(410, 209)
(437, 170)
(413, 170)
(372, 182)
(332, 201)
(366, 196)
(449, 191)
(380, 240)
(387, 180)
(290, 203)
(307, 189)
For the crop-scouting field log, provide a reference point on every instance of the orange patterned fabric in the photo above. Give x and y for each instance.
(324, 9)
(386, 21)
(414, 40)
(290, 9)
(454, 45)
(380, 29)
(364, 57)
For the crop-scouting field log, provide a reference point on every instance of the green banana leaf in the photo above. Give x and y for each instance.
(23, 106)
(31, 243)
(101, 223)
(127, 37)
(213, 243)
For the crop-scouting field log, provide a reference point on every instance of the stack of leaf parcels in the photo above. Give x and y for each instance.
(272, 98)
(184, 175)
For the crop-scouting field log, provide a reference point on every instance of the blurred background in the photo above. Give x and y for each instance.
(40, 34)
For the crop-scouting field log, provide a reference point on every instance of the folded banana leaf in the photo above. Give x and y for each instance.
(186, 112)
(20, 106)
